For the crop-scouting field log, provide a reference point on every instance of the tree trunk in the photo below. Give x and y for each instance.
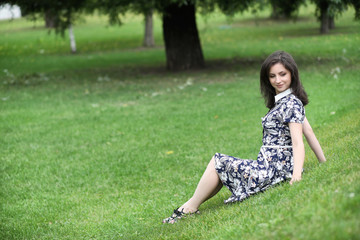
(324, 18)
(275, 12)
(72, 39)
(331, 22)
(149, 37)
(49, 19)
(182, 43)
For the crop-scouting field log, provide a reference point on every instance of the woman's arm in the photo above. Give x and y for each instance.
(313, 142)
(296, 131)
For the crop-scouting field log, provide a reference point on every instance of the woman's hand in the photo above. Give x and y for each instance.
(295, 179)
(322, 160)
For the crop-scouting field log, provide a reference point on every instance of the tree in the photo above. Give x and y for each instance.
(284, 8)
(148, 35)
(49, 18)
(182, 43)
(181, 37)
(327, 10)
(180, 33)
(59, 14)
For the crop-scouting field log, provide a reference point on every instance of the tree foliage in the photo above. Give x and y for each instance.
(285, 8)
(64, 12)
(183, 47)
(182, 42)
(327, 10)
(335, 8)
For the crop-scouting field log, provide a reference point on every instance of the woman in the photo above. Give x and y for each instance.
(282, 155)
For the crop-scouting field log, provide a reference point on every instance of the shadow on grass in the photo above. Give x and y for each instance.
(151, 73)
(268, 21)
(315, 32)
(296, 31)
(212, 66)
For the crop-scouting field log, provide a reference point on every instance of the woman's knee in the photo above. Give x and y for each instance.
(212, 162)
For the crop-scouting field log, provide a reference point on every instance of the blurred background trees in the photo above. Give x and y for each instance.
(282, 9)
(328, 10)
(58, 14)
(180, 33)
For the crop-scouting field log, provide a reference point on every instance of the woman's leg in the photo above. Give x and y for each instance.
(208, 186)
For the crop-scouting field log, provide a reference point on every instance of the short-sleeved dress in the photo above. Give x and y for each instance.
(274, 164)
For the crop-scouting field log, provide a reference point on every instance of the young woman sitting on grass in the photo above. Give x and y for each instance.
(282, 154)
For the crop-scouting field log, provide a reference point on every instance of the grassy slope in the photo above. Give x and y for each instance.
(107, 152)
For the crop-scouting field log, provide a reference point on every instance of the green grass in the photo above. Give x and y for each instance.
(104, 144)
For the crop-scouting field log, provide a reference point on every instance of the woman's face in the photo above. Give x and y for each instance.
(279, 77)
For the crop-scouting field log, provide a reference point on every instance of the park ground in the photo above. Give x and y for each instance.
(105, 143)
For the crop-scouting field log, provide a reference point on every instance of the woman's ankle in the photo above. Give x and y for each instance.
(188, 208)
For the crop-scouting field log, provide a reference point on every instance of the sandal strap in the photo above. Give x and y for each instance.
(178, 215)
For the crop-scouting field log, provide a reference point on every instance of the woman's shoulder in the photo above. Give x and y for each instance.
(292, 99)
(293, 109)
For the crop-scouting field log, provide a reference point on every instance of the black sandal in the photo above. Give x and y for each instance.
(178, 215)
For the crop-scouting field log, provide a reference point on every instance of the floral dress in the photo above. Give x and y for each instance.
(274, 164)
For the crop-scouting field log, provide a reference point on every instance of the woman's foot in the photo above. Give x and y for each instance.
(178, 214)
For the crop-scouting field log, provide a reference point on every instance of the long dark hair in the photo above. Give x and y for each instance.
(267, 91)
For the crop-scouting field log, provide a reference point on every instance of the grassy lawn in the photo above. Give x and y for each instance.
(105, 143)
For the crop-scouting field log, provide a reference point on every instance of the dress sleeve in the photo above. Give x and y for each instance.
(293, 111)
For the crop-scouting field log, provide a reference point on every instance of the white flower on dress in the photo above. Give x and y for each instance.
(290, 104)
(262, 175)
(223, 176)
